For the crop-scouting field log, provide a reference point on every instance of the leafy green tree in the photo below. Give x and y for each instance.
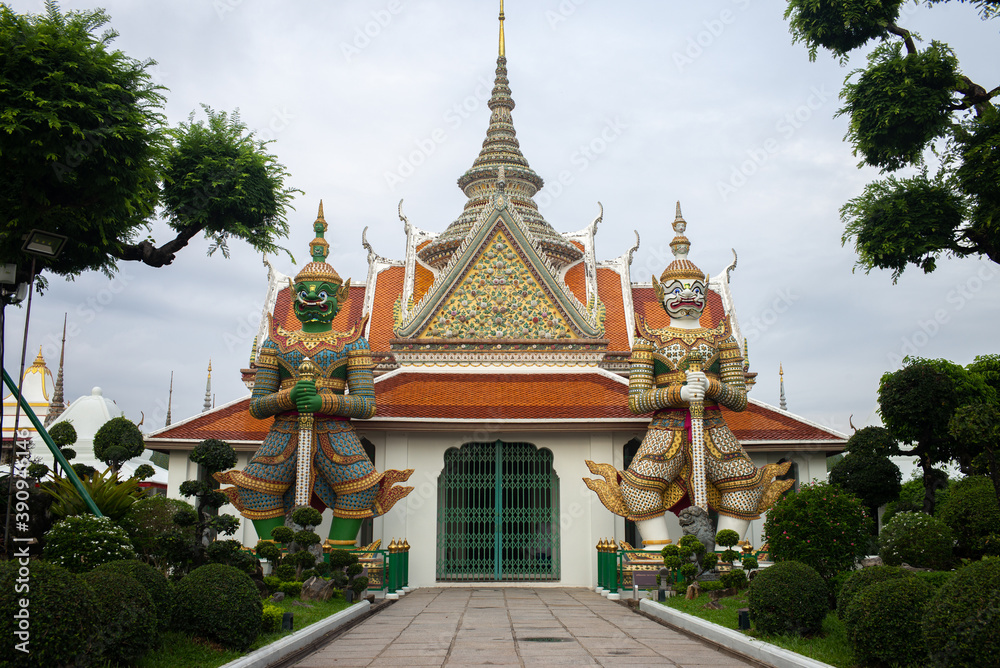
(86, 154)
(872, 478)
(63, 434)
(821, 526)
(117, 441)
(978, 425)
(904, 103)
(212, 456)
(911, 494)
(916, 404)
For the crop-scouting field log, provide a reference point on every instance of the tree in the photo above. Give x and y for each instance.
(872, 478)
(907, 102)
(117, 441)
(821, 526)
(212, 456)
(978, 425)
(916, 404)
(86, 154)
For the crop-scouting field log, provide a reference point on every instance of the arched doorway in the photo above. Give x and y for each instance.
(498, 514)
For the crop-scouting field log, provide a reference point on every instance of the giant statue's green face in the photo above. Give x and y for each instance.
(316, 301)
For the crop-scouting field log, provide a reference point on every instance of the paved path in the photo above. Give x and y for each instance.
(513, 627)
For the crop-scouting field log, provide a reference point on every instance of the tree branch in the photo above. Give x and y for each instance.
(147, 253)
(911, 47)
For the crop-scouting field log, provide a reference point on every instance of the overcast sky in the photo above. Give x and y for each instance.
(633, 104)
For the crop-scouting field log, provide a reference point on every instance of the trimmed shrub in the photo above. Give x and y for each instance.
(285, 572)
(150, 518)
(153, 581)
(882, 618)
(63, 615)
(291, 589)
(916, 539)
(126, 617)
(821, 526)
(270, 618)
(788, 597)
(857, 581)
(961, 621)
(83, 542)
(734, 579)
(219, 603)
(935, 579)
(972, 514)
(272, 583)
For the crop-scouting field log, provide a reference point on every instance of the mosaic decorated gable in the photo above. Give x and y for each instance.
(498, 286)
(499, 297)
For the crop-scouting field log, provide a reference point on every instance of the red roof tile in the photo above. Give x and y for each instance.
(576, 281)
(388, 288)
(609, 288)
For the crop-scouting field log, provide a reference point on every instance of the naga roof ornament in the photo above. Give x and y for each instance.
(500, 149)
(681, 268)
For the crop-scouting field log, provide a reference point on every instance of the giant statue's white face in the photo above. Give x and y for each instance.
(684, 299)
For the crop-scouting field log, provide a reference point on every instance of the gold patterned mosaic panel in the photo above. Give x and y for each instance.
(499, 297)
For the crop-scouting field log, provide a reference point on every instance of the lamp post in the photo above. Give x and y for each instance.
(37, 243)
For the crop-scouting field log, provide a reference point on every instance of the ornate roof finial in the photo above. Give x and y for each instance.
(501, 29)
(501, 147)
(781, 375)
(746, 354)
(170, 399)
(208, 388)
(253, 353)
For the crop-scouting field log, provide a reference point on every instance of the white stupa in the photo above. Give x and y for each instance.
(88, 414)
(37, 387)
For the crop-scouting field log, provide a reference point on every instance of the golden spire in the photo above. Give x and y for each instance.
(501, 30)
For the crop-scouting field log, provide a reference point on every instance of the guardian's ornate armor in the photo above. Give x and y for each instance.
(341, 477)
(659, 477)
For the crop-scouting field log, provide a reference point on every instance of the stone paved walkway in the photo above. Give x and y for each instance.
(513, 627)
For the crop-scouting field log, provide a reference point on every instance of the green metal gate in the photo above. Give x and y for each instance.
(498, 514)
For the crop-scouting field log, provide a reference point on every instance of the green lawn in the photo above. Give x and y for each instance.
(830, 647)
(180, 651)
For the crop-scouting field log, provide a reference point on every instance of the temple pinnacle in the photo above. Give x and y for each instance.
(502, 53)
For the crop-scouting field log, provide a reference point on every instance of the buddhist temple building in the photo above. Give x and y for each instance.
(501, 350)
(38, 388)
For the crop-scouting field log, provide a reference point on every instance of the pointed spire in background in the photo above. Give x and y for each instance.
(253, 353)
(781, 375)
(58, 405)
(500, 148)
(170, 399)
(208, 389)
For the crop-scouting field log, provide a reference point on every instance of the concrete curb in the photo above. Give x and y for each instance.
(734, 640)
(279, 649)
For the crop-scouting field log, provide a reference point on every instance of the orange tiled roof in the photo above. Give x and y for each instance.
(423, 278)
(231, 422)
(489, 396)
(495, 396)
(609, 288)
(388, 288)
(576, 281)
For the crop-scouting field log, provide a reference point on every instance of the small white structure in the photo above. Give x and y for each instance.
(37, 387)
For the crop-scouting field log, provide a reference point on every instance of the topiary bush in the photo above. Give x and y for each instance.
(972, 514)
(270, 618)
(63, 619)
(788, 597)
(961, 621)
(153, 581)
(219, 603)
(882, 618)
(148, 520)
(734, 579)
(83, 542)
(126, 617)
(117, 441)
(859, 580)
(291, 589)
(916, 539)
(821, 526)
